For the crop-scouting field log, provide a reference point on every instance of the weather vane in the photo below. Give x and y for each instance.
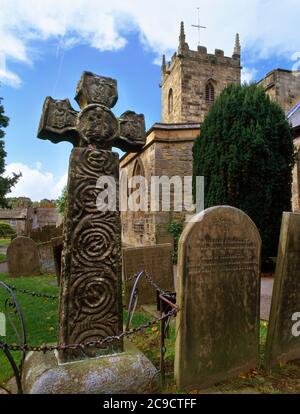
(198, 26)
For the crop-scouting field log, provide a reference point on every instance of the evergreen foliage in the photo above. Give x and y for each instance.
(6, 183)
(246, 154)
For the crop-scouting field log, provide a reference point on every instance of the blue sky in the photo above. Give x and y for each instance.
(46, 45)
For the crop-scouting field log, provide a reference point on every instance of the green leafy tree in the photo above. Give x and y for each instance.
(245, 152)
(175, 228)
(47, 203)
(62, 201)
(6, 183)
(6, 230)
(19, 202)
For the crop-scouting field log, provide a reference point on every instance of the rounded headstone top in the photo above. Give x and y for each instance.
(218, 216)
(23, 257)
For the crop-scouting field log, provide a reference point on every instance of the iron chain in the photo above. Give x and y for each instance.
(53, 297)
(149, 279)
(93, 344)
(33, 294)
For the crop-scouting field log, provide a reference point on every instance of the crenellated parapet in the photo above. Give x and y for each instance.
(193, 78)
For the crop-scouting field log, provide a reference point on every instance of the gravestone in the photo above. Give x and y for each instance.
(283, 344)
(46, 256)
(23, 258)
(57, 247)
(217, 330)
(91, 291)
(157, 261)
(46, 233)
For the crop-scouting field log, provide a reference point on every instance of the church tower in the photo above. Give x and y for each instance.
(193, 79)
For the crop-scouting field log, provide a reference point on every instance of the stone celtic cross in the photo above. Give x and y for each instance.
(91, 291)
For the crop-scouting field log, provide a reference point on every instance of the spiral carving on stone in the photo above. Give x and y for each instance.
(92, 162)
(94, 293)
(94, 241)
(93, 257)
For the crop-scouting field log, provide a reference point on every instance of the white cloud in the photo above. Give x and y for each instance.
(35, 183)
(6, 76)
(267, 27)
(249, 75)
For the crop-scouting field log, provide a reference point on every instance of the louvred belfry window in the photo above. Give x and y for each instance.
(170, 102)
(209, 93)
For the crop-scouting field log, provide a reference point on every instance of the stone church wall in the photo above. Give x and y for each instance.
(168, 153)
(283, 87)
(188, 77)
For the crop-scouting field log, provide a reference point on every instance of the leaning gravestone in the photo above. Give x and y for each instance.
(217, 330)
(91, 292)
(283, 344)
(157, 262)
(23, 258)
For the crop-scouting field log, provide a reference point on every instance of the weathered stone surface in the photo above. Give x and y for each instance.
(186, 77)
(58, 122)
(217, 330)
(126, 373)
(46, 233)
(91, 294)
(91, 298)
(168, 153)
(157, 261)
(57, 246)
(282, 345)
(282, 86)
(23, 258)
(94, 89)
(132, 131)
(95, 126)
(46, 256)
(98, 127)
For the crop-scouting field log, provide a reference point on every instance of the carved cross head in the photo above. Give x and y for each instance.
(95, 126)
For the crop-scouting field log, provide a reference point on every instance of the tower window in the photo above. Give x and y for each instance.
(170, 101)
(209, 93)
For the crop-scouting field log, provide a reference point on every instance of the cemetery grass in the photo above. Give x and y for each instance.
(5, 242)
(41, 316)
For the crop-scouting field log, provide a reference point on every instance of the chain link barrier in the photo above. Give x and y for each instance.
(94, 344)
(149, 279)
(31, 293)
(53, 297)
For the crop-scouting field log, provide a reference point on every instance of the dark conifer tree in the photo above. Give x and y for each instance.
(245, 152)
(6, 183)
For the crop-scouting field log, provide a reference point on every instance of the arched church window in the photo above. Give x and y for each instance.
(138, 171)
(138, 168)
(170, 101)
(140, 199)
(209, 93)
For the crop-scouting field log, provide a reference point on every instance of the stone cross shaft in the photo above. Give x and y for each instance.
(91, 291)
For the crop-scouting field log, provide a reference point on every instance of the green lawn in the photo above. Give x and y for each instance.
(5, 242)
(2, 257)
(40, 314)
(41, 322)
